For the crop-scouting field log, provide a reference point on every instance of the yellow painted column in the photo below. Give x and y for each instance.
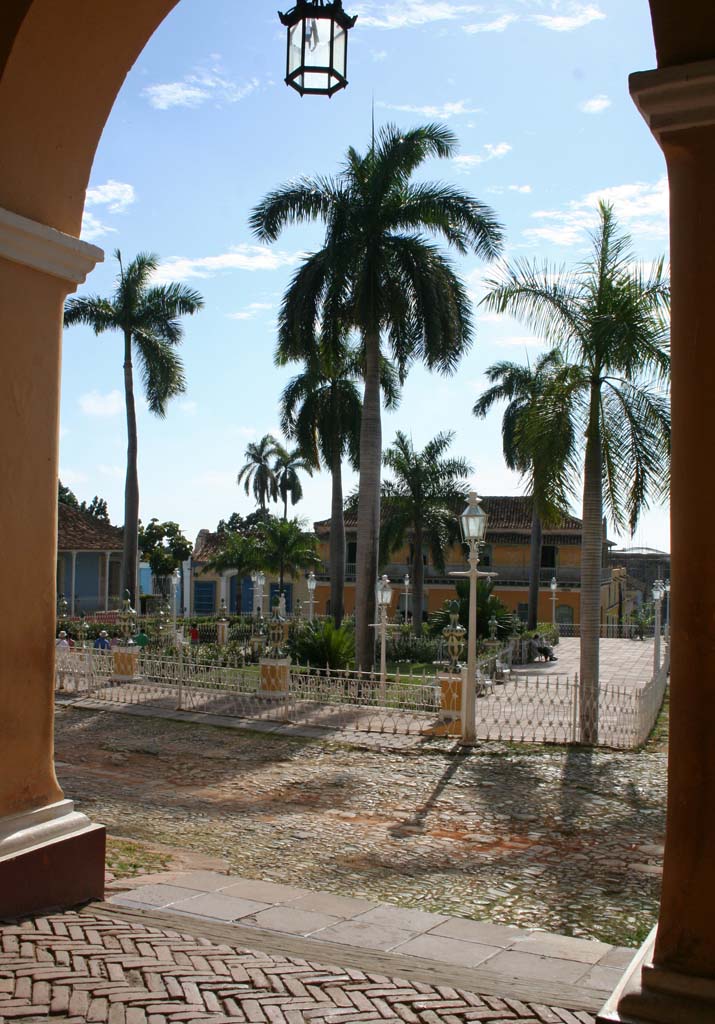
(38, 828)
(673, 978)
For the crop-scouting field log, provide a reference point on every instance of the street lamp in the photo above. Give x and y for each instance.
(317, 46)
(657, 598)
(473, 522)
(407, 595)
(384, 598)
(666, 631)
(554, 586)
(175, 590)
(312, 583)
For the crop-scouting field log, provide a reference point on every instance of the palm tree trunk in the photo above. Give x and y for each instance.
(418, 575)
(591, 555)
(337, 540)
(534, 569)
(131, 488)
(368, 526)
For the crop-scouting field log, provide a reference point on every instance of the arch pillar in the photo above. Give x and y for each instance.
(673, 978)
(49, 853)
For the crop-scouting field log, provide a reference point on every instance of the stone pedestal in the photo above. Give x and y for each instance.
(126, 664)
(275, 678)
(451, 688)
(222, 632)
(49, 857)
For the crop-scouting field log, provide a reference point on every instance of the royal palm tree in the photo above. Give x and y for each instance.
(286, 467)
(285, 546)
(538, 441)
(610, 318)
(257, 473)
(379, 272)
(421, 502)
(321, 410)
(148, 318)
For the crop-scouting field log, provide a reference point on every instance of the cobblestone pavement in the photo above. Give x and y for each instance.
(565, 840)
(92, 967)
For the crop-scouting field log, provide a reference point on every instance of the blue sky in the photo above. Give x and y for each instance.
(536, 91)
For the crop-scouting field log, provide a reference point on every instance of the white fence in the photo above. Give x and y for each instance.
(523, 708)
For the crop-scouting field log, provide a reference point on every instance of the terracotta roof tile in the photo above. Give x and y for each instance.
(80, 531)
(506, 512)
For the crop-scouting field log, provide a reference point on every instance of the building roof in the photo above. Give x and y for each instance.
(206, 546)
(80, 531)
(506, 513)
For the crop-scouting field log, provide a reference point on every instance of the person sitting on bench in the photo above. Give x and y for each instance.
(543, 648)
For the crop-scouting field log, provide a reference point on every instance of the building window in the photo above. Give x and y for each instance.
(548, 556)
(522, 610)
(485, 554)
(204, 597)
(564, 614)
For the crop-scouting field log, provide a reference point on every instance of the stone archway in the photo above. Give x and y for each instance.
(61, 67)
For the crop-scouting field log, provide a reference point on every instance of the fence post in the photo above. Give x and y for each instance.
(181, 677)
(575, 732)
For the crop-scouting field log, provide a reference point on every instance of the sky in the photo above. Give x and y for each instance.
(535, 90)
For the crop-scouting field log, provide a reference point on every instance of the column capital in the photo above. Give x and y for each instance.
(676, 98)
(46, 249)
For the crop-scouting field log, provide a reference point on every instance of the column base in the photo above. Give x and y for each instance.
(652, 995)
(49, 857)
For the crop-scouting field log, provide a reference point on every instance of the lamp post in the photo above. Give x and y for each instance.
(407, 595)
(553, 586)
(657, 598)
(473, 522)
(384, 597)
(258, 579)
(666, 630)
(312, 583)
(317, 46)
(175, 591)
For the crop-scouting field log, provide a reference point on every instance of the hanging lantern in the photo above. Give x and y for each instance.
(317, 54)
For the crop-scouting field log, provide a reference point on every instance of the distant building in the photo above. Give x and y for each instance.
(505, 552)
(89, 560)
(643, 565)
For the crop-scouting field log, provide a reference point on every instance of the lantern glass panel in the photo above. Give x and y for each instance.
(317, 44)
(295, 47)
(339, 50)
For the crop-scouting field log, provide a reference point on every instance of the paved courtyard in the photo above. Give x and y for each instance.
(101, 965)
(560, 839)
(627, 663)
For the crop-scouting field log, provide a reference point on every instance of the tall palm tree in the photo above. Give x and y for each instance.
(257, 472)
(321, 410)
(421, 502)
(610, 317)
(285, 546)
(379, 273)
(286, 467)
(148, 318)
(538, 441)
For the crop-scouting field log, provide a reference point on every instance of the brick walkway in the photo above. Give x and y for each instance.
(95, 966)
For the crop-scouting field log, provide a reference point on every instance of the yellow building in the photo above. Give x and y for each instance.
(506, 552)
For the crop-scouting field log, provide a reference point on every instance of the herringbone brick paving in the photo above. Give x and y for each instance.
(85, 967)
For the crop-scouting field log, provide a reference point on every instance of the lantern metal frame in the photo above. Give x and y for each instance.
(308, 12)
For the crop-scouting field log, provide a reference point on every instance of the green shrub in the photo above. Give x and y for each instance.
(323, 645)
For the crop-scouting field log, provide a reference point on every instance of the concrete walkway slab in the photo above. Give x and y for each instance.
(334, 922)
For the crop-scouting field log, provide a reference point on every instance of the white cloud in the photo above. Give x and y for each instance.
(499, 190)
(378, 55)
(442, 111)
(94, 403)
(72, 477)
(497, 25)
(93, 227)
(216, 478)
(188, 406)
(570, 16)
(596, 105)
(117, 196)
(410, 13)
(466, 161)
(113, 472)
(252, 310)
(641, 208)
(198, 87)
(518, 341)
(239, 257)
